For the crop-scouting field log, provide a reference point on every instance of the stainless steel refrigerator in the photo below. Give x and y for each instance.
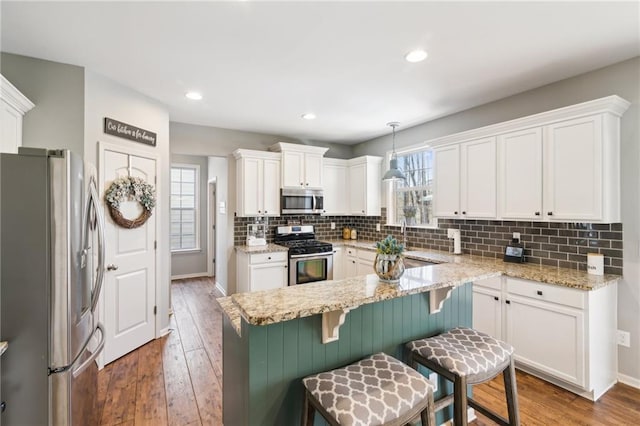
(51, 271)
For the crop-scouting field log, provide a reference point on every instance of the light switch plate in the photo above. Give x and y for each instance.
(333, 225)
(378, 227)
(624, 338)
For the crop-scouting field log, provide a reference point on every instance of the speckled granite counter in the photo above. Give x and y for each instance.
(231, 310)
(269, 248)
(273, 306)
(547, 274)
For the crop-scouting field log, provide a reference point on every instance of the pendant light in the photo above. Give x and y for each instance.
(393, 173)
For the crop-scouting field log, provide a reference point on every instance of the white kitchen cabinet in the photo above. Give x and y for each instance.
(335, 184)
(261, 271)
(13, 106)
(520, 174)
(563, 335)
(465, 180)
(365, 262)
(365, 185)
(257, 180)
(301, 165)
(351, 262)
(339, 262)
(574, 169)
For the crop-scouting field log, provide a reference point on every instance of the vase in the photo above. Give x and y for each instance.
(389, 267)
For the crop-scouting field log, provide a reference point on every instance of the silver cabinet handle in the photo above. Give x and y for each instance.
(112, 267)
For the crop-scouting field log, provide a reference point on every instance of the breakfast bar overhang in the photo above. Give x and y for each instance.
(272, 339)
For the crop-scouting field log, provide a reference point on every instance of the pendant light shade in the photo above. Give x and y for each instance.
(394, 172)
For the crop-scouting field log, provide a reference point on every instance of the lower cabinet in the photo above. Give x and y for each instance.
(365, 262)
(339, 262)
(358, 262)
(350, 262)
(563, 335)
(261, 271)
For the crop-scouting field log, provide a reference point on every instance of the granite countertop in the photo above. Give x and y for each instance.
(230, 309)
(273, 306)
(269, 248)
(565, 277)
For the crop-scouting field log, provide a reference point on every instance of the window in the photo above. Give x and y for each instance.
(184, 207)
(412, 200)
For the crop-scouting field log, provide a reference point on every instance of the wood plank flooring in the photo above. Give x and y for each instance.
(177, 380)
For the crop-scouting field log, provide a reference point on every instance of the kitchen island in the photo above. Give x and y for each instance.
(272, 339)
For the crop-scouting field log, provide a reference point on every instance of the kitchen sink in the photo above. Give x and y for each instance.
(415, 263)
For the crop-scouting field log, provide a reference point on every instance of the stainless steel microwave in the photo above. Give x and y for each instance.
(301, 201)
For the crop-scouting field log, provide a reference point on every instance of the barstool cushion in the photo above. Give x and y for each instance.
(465, 352)
(369, 392)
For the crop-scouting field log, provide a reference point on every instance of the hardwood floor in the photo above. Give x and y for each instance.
(177, 380)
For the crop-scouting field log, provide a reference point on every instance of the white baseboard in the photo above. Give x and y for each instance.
(628, 380)
(196, 275)
(164, 332)
(221, 289)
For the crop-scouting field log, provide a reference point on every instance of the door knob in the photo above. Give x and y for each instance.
(112, 267)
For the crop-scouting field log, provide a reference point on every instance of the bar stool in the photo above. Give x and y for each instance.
(378, 390)
(468, 357)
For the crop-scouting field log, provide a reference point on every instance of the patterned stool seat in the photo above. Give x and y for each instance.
(374, 391)
(465, 352)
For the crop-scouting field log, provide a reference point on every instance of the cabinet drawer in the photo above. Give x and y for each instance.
(367, 255)
(547, 292)
(351, 251)
(494, 283)
(278, 256)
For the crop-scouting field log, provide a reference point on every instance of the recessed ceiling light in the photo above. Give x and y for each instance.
(416, 55)
(309, 116)
(194, 96)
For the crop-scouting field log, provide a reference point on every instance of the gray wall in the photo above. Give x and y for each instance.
(619, 79)
(195, 262)
(57, 90)
(213, 141)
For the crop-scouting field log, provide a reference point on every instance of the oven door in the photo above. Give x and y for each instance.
(309, 268)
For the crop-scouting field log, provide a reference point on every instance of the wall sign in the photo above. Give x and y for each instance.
(127, 131)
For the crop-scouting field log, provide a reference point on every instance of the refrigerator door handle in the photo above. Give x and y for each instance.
(93, 195)
(79, 369)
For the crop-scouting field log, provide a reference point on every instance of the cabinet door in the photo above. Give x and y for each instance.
(358, 189)
(251, 186)
(487, 311)
(313, 170)
(547, 337)
(292, 169)
(446, 193)
(335, 181)
(351, 267)
(268, 276)
(364, 267)
(338, 263)
(10, 128)
(573, 169)
(520, 176)
(478, 178)
(271, 185)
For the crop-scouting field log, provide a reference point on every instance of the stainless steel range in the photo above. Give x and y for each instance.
(310, 260)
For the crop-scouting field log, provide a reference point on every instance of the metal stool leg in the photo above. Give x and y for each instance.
(511, 390)
(308, 411)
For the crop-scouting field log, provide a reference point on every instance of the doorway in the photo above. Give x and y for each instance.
(211, 225)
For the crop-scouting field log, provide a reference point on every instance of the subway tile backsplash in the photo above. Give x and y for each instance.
(548, 243)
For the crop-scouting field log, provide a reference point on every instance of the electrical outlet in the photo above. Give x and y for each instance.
(433, 378)
(333, 225)
(378, 227)
(516, 236)
(624, 338)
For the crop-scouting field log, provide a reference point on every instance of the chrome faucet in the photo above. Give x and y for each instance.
(403, 231)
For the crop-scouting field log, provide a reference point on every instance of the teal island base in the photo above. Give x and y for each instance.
(263, 367)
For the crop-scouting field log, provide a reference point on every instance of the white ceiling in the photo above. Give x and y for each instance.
(260, 65)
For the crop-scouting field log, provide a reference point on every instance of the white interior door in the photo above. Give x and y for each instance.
(130, 280)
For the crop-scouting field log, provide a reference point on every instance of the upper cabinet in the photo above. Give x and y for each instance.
(352, 187)
(13, 106)
(560, 165)
(301, 165)
(465, 179)
(257, 180)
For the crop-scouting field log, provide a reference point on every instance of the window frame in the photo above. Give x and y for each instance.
(389, 190)
(196, 209)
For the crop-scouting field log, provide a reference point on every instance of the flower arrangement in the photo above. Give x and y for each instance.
(389, 246)
(134, 189)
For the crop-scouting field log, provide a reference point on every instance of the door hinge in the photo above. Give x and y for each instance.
(155, 245)
(155, 310)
